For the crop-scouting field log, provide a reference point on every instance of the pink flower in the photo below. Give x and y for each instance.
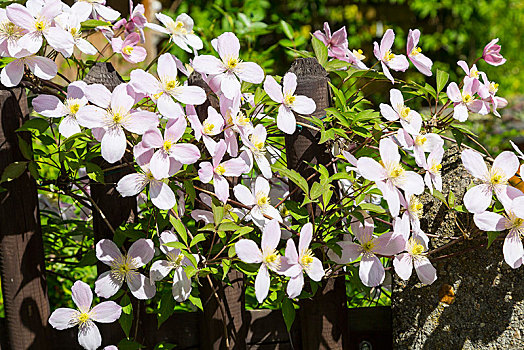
(42, 67)
(259, 201)
(167, 87)
(419, 144)
(410, 120)
(295, 263)
(355, 57)
(419, 60)
(289, 102)
(229, 71)
(270, 259)
(389, 175)
(181, 31)
(255, 141)
(38, 21)
(181, 288)
(169, 158)
(491, 53)
(337, 43)
(161, 194)
(113, 113)
(472, 73)
(387, 58)
(212, 126)
(488, 90)
(478, 198)
(137, 21)
(98, 8)
(433, 167)
(465, 101)
(124, 268)
(371, 271)
(415, 254)
(129, 48)
(512, 220)
(10, 33)
(217, 170)
(88, 333)
(70, 21)
(50, 106)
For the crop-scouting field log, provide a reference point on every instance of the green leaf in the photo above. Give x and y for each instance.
(190, 191)
(95, 172)
(196, 301)
(166, 307)
(13, 170)
(451, 199)
(293, 176)
(92, 24)
(287, 29)
(179, 228)
(316, 191)
(226, 265)
(218, 214)
(326, 135)
(372, 207)
(442, 79)
(126, 317)
(33, 169)
(228, 226)
(492, 235)
(198, 238)
(334, 65)
(437, 194)
(39, 124)
(126, 344)
(458, 135)
(288, 312)
(176, 245)
(321, 51)
(89, 259)
(25, 148)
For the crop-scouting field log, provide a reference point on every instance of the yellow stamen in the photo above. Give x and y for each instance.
(415, 206)
(467, 98)
(420, 140)
(389, 56)
(435, 168)
(167, 145)
(220, 170)
(359, 54)
(232, 63)
(208, 128)
(497, 177)
(307, 258)
(289, 99)
(404, 113)
(128, 50)
(368, 246)
(416, 51)
(40, 25)
(83, 318)
(262, 199)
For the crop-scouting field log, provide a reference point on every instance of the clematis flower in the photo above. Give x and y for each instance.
(371, 271)
(42, 67)
(129, 48)
(289, 101)
(98, 8)
(495, 180)
(295, 263)
(512, 220)
(255, 143)
(488, 90)
(270, 259)
(465, 101)
(137, 21)
(163, 90)
(355, 57)
(85, 317)
(414, 211)
(415, 255)
(113, 113)
(170, 156)
(336, 44)
(10, 33)
(432, 178)
(387, 58)
(181, 31)
(410, 120)
(491, 53)
(124, 268)
(389, 175)
(217, 170)
(70, 20)
(212, 126)
(175, 261)
(415, 55)
(259, 201)
(38, 21)
(161, 194)
(50, 106)
(419, 144)
(229, 71)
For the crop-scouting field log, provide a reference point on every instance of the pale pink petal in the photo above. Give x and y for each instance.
(48, 106)
(82, 296)
(315, 270)
(107, 251)
(460, 112)
(262, 283)
(121, 101)
(208, 65)
(85, 46)
(159, 270)
(272, 212)
(193, 95)
(12, 74)
(31, 41)
(403, 264)
(43, 67)
(350, 251)
(425, 271)
(396, 99)
(389, 244)
(453, 92)
(488, 221)
(507, 162)
(289, 83)
(389, 151)
(159, 165)
(167, 237)
(141, 251)
(20, 15)
(474, 164)
(363, 232)
(181, 285)
(271, 235)
(399, 63)
(262, 185)
(169, 108)
(91, 116)
(98, 94)
(387, 73)
(387, 41)
(291, 256)
(205, 173)
(185, 153)
(227, 45)
(391, 195)
(306, 235)
(202, 215)
(106, 12)
(478, 198)
(422, 63)
(89, 336)
(250, 72)
(144, 82)
(388, 112)
(234, 167)
(513, 250)
(304, 105)
(138, 54)
(371, 169)
(221, 188)
(141, 287)
(230, 85)
(162, 195)
(63, 318)
(113, 145)
(153, 139)
(244, 195)
(106, 285)
(141, 121)
(414, 183)
(106, 312)
(69, 126)
(273, 89)
(371, 271)
(295, 285)
(61, 40)
(518, 205)
(286, 120)
(248, 251)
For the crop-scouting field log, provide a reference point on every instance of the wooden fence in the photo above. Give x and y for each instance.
(323, 322)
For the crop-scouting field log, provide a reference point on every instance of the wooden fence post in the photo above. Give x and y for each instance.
(24, 286)
(115, 208)
(224, 304)
(323, 319)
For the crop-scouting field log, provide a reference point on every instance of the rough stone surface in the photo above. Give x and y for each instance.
(488, 311)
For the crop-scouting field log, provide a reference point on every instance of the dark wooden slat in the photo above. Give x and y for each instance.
(22, 264)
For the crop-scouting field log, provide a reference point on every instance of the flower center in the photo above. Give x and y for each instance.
(368, 246)
(232, 63)
(40, 25)
(289, 99)
(467, 98)
(435, 168)
(306, 258)
(473, 73)
(167, 145)
(415, 206)
(10, 30)
(73, 105)
(417, 249)
(497, 177)
(259, 144)
(220, 170)
(123, 268)
(493, 88)
(404, 113)
(241, 119)
(208, 128)
(420, 140)
(394, 169)
(416, 51)
(175, 260)
(178, 27)
(359, 54)
(128, 50)
(149, 175)
(83, 318)
(171, 84)
(272, 259)
(262, 199)
(388, 56)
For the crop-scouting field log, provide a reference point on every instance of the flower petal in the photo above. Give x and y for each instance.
(89, 336)
(106, 312)
(262, 283)
(142, 251)
(477, 199)
(425, 271)
(106, 285)
(248, 251)
(63, 318)
(295, 285)
(371, 271)
(141, 287)
(162, 195)
(181, 285)
(403, 264)
(271, 235)
(82, 296)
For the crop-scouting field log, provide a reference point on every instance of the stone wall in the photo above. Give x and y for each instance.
(488, 307)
